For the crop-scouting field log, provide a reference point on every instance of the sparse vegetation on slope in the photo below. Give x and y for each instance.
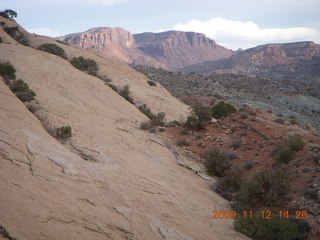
(222, 110)
(85, 64)
(126, 94)
(267, 188)
(22, 90)
(200, 117)
(9, 14)
(260, 227)
(7, 71)
(216, 162)
(53, 49)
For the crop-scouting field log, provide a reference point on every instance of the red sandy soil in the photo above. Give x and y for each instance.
(259, 136)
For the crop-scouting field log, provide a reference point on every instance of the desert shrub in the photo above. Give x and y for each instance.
(276, 228)
(216, 162)
(295, 143)
(113, 87)
(146, 111)
(231, 155)
(33, 107)
(249, 164)
(267, 188)
(173, 123)
(22, 90)
(197, 136)
(182, 142)
(222, 110)
(9, 14)
(152, 83)
(159, 119)
(231, 180)
(285, 155)
(279, 120)
(126, 94)
(236, 143)
(156, 119)
(53, 49)
(146, 125)
(85, 64)
(200, 116)
(7, 71)
(63, 132)
(12, 31)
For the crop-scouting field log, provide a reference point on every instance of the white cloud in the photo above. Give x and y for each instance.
(45, 31)
(236, 34)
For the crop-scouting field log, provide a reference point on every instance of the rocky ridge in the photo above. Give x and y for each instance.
(176, 49)
(289, 61)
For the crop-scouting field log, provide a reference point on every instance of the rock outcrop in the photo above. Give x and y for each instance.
(295, 61)
(115, 43)
(110, 180)
(177, 49)
(168, 50)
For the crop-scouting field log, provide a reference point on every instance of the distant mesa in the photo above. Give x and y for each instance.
(170, 50)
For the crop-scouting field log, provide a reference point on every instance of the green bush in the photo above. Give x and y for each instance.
(259, 228)
(22, 90)
(9, 14)
(152, 83)
(285, 155)
(63, 132)
(12, 31)
(295, 143)
(231, 181)
(279, 120)
(53, 49)
(126, 94)
(7, 71)
(222, 110)
(85, 64)
(200, 117)
(216, 162)
(156, 119)
(267, 188)
(146, 111)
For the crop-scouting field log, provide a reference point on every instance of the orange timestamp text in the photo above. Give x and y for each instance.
(264, 214)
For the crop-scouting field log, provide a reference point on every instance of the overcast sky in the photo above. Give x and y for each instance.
(231, 23)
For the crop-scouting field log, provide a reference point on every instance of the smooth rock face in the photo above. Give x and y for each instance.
(110, 180)
(177, 49)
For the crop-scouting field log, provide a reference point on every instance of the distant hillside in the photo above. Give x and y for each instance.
(177, 49)
(168, 50)
(115, 43)
(290, 61)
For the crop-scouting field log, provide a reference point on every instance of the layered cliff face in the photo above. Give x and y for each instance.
(168, 50)
(177, 49)
(110, 180)
(290, 61)
(115, 43)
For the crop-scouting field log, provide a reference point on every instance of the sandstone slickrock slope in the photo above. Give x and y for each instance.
(116, 43)
(110, 180)
(296, 61)
(176, 49)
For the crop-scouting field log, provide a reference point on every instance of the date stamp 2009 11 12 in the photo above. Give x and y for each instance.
(264, 214)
